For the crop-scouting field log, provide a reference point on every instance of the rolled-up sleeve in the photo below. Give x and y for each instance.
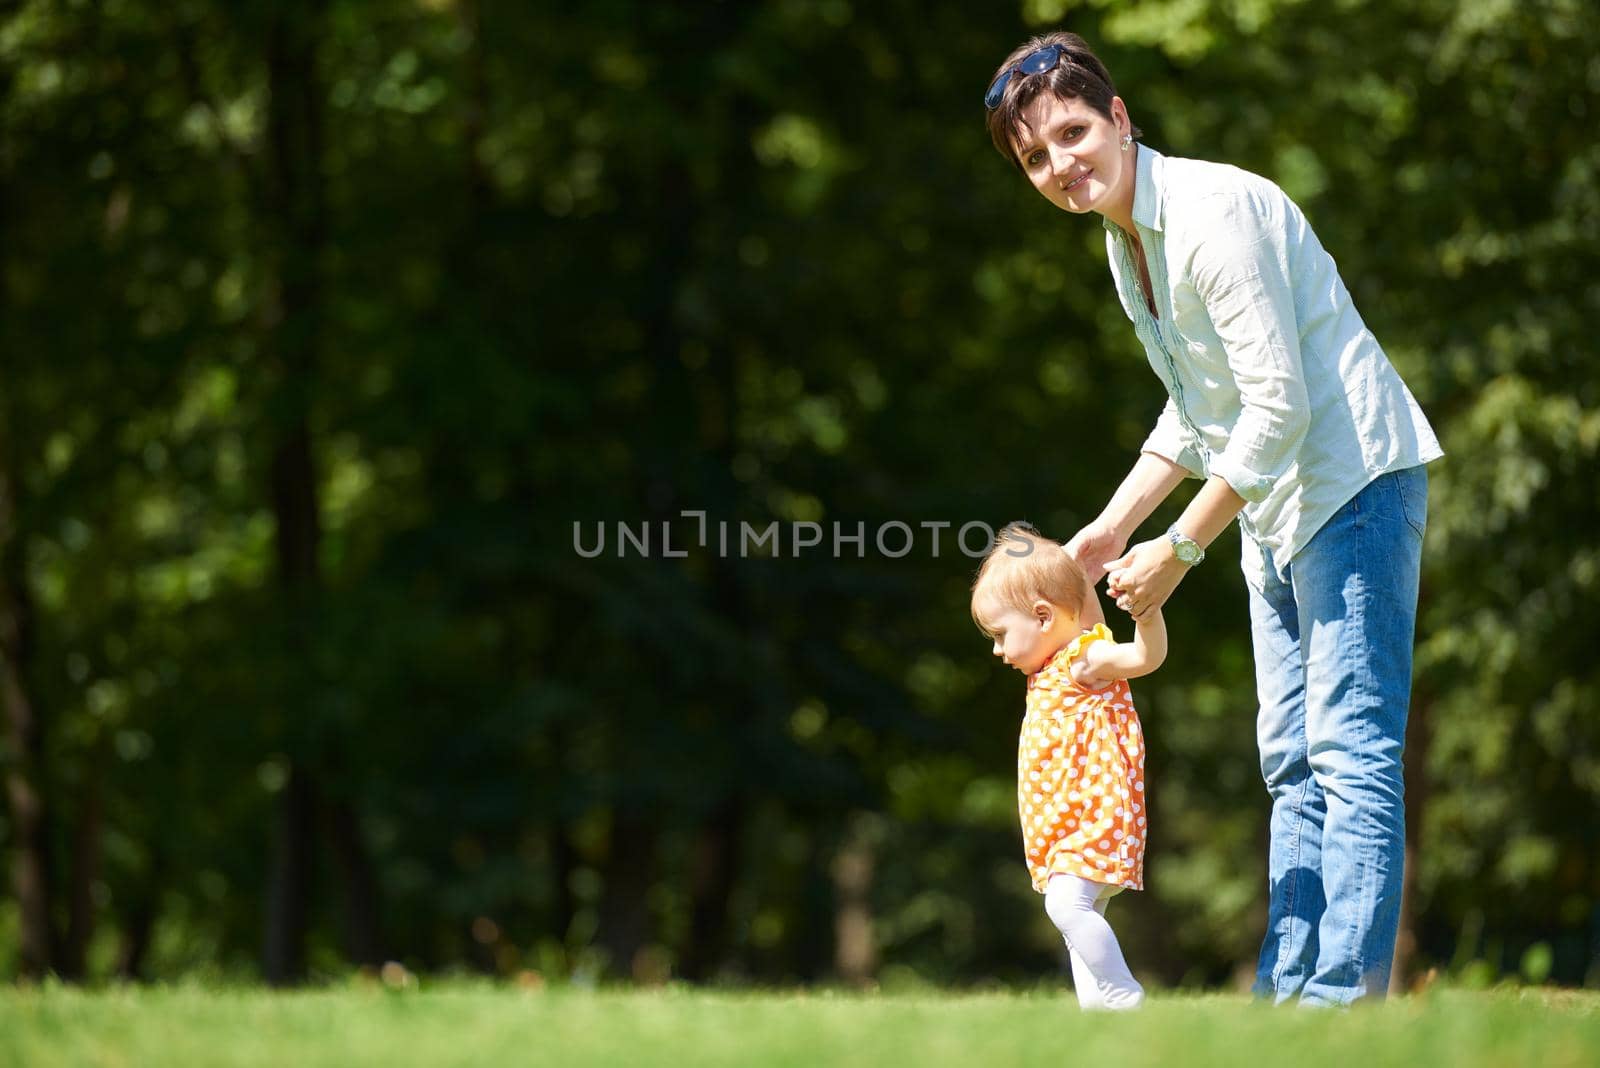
(1170, 440)
(1241, 273)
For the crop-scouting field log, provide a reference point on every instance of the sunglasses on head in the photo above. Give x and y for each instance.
(1047, 58)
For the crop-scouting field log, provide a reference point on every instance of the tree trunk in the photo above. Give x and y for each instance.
(295, 224)
(625, 926)
(289, 893)
(564, 861)
(85, 868)
(1419, 739)
(1419, 735)
(24, 732)
(139, 918)
(363, 938)
(137, 923)
(715, 865)
(812, 945)
(855, 957)
(290, 881)
(31, 859)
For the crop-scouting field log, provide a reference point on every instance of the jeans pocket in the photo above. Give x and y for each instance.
(1412, 487)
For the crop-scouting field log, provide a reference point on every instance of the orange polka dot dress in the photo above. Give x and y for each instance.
(1080, 776)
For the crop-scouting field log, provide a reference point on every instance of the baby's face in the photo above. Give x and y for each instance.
(1023, 639)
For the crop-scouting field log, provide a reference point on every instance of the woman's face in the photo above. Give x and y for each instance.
(1073, 155)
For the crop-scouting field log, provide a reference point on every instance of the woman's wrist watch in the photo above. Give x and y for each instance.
(1185, 548)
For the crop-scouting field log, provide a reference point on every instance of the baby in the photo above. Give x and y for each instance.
(1080, 759)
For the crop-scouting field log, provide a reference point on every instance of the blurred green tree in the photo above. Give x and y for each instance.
(330, 329)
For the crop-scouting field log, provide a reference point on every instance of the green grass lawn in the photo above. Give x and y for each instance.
(463, 1023)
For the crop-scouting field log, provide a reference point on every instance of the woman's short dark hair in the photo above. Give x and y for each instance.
(1079, 74)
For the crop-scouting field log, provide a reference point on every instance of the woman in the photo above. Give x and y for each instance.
(1281, 400)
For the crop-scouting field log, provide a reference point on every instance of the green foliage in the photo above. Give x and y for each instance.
(605, 264)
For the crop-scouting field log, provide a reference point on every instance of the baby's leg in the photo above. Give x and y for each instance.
(1083, 983)
(1077, 908)
(1082, 978)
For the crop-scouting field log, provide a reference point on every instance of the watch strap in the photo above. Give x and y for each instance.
(1183, 545)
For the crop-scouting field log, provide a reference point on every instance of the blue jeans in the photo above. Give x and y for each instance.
(1333, 675)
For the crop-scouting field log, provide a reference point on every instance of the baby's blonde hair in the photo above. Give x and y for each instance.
(1024, 566)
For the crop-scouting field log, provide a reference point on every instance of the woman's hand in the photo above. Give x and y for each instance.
(1092, 546)
(1143, 578)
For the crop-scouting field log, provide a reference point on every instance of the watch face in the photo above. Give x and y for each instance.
(1185, 550)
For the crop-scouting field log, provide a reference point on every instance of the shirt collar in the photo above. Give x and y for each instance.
(1148, 202)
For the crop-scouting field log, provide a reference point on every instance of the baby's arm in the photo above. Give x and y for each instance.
(1105, 662)
(1089, 613)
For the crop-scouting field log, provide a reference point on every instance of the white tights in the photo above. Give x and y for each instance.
(1078, 909)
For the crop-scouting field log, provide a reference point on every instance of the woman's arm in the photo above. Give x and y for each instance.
(1242, 272)
(1150, 481)
(1146, 575)
(1209, 514)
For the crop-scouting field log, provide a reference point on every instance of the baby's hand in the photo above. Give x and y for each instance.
(1145, 576)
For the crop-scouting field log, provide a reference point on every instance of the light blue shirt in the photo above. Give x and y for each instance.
(1273, 381)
